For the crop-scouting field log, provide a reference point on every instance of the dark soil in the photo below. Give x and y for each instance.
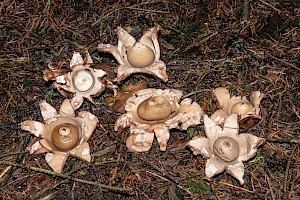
(205, 44)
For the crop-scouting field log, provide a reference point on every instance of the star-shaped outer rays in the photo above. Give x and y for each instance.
(144, 111)
(141, 56)
(74, 131)
(236, 105)
(225, 148)
(83, 80)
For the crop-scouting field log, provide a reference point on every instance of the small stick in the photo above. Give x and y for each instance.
(296, 48)
(246, 12)
(273, 7)
(270, 187)
(65, 176)
(293, 184)
(293, 141)
(214, 191)
(194, 93)
(153, 174)
(4, 171)
(133, 7)
(18, 159)
(284, 62)
(286, 174)
(196, 44)
(228, 184)
(158, 169)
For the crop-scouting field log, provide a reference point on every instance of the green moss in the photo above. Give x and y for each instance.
(134, 81)
(196, 186)
(27, 82)
(188, 30)
(258, 158)
(191, 132)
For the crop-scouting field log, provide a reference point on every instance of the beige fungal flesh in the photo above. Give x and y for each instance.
(83, 80)
(140, 55)
(226, 148)
(154, 108)
(65, 136)
(62, 134)
(241, 108)
(153, 112)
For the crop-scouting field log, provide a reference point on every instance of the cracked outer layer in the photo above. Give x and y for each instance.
(225, 148)
(62, 134)
(180, 115)
(141, 56)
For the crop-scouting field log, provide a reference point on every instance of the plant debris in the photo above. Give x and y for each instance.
(241, 45)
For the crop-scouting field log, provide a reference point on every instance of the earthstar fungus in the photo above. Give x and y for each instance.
(235, 104)
(83, 80)
(152, 112)
(141, 56)
(225, 148)
(62, 134)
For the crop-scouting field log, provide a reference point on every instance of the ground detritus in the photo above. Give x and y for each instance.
(204, 45)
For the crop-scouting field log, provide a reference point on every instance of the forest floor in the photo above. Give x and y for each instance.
(205, 44)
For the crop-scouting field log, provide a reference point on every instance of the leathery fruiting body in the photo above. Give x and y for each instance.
(141, 56)
(62, 134)
(236, 105)
(225, 148)
(83, 80)
(152, 112)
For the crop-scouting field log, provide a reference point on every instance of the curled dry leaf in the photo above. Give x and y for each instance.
(54, 71)
(225, 148)
(111, 75)
(117, 102)
(152, 112)
(62, 134)
(141, 56)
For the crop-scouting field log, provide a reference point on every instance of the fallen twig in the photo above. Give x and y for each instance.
(286, 174)
(270, 187)
(65, 176)
(19, 159)
(214, 191)
(294, 141)
(158, 169)
(133, 7)
(271, 6)
(281, 60)
(229, 184)
(196, 44)
(246, 12)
